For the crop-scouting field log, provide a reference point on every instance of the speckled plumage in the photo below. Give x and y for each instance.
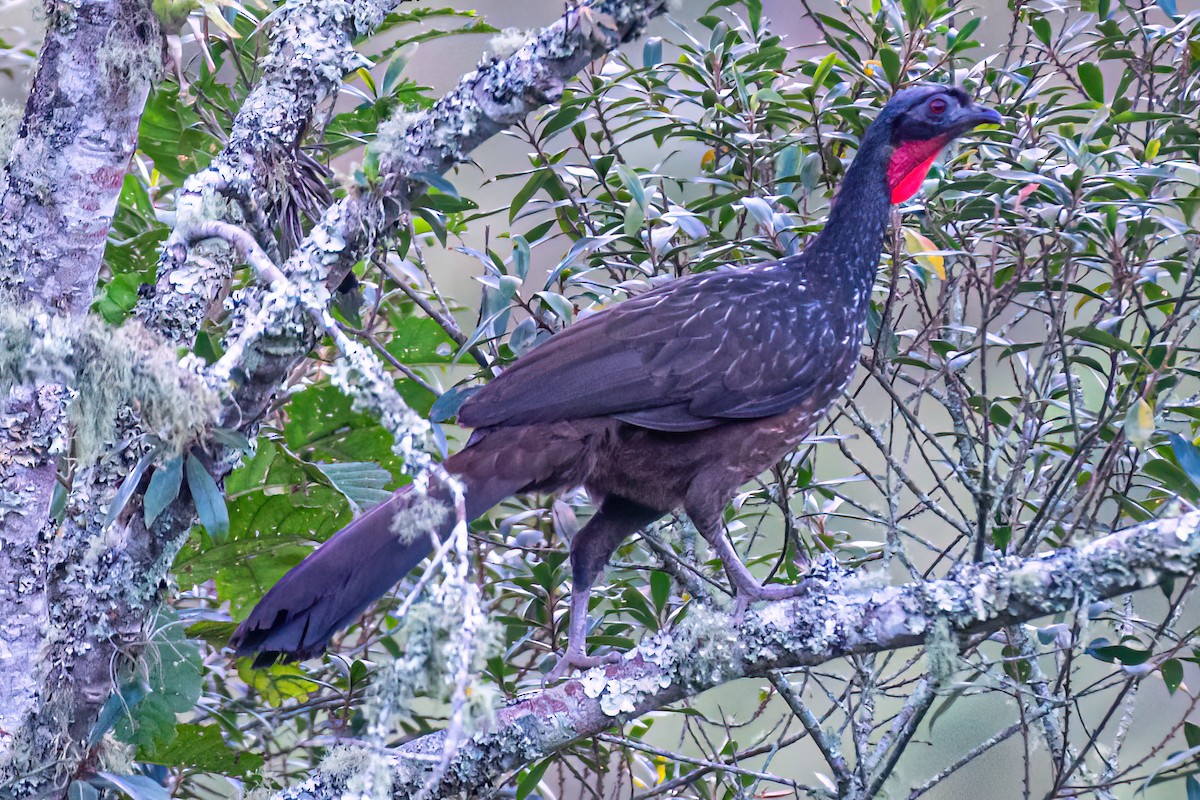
(670, 400)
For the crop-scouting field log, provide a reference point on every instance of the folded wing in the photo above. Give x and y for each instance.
(731, 344)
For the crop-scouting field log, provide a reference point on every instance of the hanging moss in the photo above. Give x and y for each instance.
(106, 368)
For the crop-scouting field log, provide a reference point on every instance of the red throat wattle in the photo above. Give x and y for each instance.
(909, 164)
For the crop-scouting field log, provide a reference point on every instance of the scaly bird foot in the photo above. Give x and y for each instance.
(575, 658)
(752, 592)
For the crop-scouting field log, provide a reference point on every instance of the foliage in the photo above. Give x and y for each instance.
(1030, 382)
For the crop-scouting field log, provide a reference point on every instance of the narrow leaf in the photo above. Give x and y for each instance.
(163, 489)
(210, 503)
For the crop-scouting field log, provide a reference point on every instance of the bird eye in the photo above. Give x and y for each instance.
(937, 105)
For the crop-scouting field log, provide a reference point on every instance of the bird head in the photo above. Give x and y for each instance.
(921, 121)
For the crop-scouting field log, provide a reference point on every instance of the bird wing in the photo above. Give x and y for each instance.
(728, 344)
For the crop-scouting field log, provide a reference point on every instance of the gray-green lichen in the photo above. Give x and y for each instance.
(422, 517)
(359, 773)
(508, 41)
(125, 62)
(10, 123)
(941, 650)
(107, 368)
(431, 640)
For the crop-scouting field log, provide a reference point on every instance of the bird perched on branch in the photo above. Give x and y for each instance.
(670, 400)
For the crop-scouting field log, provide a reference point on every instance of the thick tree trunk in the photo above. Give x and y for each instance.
(61, 186)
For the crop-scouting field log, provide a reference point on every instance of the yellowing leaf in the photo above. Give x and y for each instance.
(924, 252)
(1139, 423)
(870, 66)
(1152, 148)
(213, 12)
(708, 159)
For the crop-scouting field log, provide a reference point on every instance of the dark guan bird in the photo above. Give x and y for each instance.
(670, 400)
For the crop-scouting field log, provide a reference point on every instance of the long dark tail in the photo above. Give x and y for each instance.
(330, 588)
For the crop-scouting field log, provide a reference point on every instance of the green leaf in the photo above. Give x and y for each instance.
(1041, 29)
(437, 182)
(823, 68)
(890, 62)
(174, 677)
(1188, 456)
(634, 219)
(634, 184)
(1102, 650)
(203, 748)
(652, 52)
(278, 683)
(128, 487)
(277, 511)
(210, 503)
(1139, 423)
(323, 425)
(526, 192)
(362, 483)
(135, 787)
(1191, 734)
(1105, 339)
(1172, 674)
(1092, 80)
(448, 404)
(120, 702)
(162, 490)
(660, 589)
(531, 778)
(82, 790)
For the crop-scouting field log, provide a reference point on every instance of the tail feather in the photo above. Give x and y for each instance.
(329, 589)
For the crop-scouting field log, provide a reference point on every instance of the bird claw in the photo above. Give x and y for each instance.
(749, 594)
(577, 659)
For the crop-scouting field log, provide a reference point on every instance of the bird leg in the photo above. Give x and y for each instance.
(591, 549)
(747, 589)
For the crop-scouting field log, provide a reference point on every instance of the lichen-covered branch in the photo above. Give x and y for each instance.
(841, 616)
(500, 93)
(64, 173)
(312, 47)
(61, 185)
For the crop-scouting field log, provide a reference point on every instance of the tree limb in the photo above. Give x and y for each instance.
(842, 616)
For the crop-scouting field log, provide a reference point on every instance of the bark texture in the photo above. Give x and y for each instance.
(60, 190)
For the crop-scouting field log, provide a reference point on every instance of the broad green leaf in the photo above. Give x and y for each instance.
(277, 511)
(173, 672)
(1092, 80)
(362, 483)
(203, 748)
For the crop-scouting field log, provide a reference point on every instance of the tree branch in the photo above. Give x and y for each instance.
(841, 616)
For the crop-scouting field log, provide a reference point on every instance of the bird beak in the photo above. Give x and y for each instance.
(974, 115)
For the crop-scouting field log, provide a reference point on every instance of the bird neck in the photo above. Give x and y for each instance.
(846, 253)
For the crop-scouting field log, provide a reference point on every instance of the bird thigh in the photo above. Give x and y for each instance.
(594, 544)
